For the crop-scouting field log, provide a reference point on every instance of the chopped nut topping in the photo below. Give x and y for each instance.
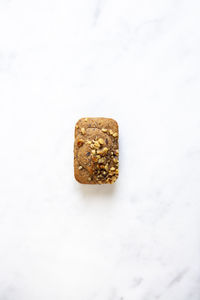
(103, 151)
(115, 134)
(115, 160)
(80, 167)
(113, 179)
(101, 160)
(99, 151)
(83, 131)
(96, 145)
(106, 167)
(104, 129)
(80, 143)
(101, 141)
(94, 158)
(111, 132)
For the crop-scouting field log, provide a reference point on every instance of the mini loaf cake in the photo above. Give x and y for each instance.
(96, 151)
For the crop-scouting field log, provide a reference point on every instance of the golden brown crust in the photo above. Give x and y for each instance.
(96, 151)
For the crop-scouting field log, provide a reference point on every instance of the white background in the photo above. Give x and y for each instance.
(138, 62)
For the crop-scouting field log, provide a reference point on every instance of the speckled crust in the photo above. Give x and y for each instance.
(96, 151)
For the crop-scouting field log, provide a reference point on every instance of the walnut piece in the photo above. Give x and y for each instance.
(101, 141)
(83, 131)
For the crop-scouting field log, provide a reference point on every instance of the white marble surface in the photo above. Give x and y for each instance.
(138, 62)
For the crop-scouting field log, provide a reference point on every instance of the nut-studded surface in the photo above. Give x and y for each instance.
(96, 151)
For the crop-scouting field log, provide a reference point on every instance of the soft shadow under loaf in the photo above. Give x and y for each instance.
(97, 191)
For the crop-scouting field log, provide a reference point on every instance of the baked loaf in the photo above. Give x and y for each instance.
(96, 151)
